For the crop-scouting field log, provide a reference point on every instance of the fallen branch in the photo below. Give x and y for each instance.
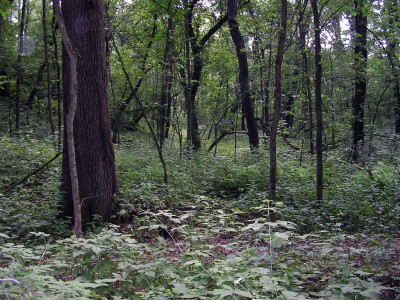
(391, 137)
(223, 134)
(16, 282)
(15, 184)
(285, 138)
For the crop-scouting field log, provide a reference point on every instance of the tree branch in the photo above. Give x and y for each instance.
(224, 134)
(15, 184)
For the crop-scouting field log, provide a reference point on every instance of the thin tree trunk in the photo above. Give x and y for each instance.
(318, 99)
(259, 58)
(241, 54)
(394, 19)
(124, 104)
(47, 63)
(165, 99)
(144, 115)
(360, 81)
(19, 66)
(194, 70)
(278, 98)
(69, 120)
(169, 108)
(35, 89)
(58, 78)
(266, 126)
(303, 28)
(188, 83)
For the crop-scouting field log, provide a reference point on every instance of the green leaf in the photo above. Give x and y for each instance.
(289, 295)
(277, 242)
(96, 250)
(222, 292)
(150, 273)
(243, 293)
(282, 235)
(180, 288)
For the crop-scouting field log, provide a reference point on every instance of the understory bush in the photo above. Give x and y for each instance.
(208, 233)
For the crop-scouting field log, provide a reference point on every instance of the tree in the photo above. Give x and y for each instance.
(166, 86)
(47, 63)
(303, 28)
(318, 97)
(241, 54)
(360, 80)
(194, 69)
(19, 66)
(392, 40)
(278, 98)
(95, 165)
(4, 28)
(116, 124)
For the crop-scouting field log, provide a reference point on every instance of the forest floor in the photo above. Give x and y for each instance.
(207, 234)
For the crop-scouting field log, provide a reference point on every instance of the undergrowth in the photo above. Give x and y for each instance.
(207, 234)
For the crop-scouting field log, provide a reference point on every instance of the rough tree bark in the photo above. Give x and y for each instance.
(241, 54)
(84, 21)
(278, 98)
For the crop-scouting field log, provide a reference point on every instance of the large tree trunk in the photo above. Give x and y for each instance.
(278, 99)
(241, 54)
(318, 98)
(84, 21)
(360, 81)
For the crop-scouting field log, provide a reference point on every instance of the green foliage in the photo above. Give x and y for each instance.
(208, 234)
(32, 206)
(231, 260)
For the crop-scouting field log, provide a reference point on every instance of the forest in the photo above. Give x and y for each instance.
(200, 149)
